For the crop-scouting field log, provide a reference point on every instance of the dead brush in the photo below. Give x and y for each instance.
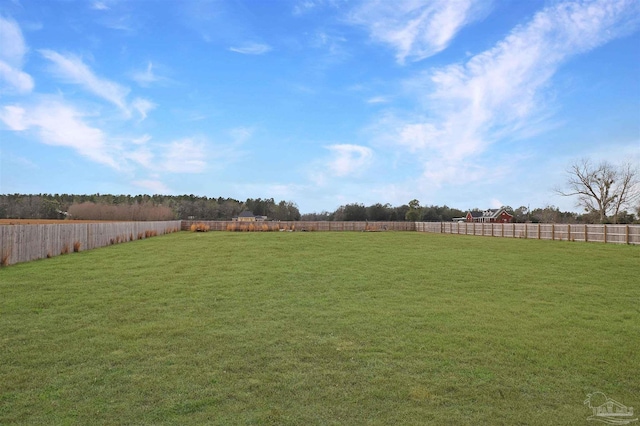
(200, 227)
(4, 259)
(65, 249)
(76, 246)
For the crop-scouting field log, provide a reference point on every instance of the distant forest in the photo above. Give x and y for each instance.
(169, 207)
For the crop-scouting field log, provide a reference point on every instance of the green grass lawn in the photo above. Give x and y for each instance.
(320, 329)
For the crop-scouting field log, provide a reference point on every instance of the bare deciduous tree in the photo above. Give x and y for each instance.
(604, 188)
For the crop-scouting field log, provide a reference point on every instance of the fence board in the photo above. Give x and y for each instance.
(617, 234)
(23, 243)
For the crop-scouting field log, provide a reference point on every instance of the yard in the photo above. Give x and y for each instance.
(320, 328)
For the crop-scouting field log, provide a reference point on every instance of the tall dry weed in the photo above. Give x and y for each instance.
(4, 259)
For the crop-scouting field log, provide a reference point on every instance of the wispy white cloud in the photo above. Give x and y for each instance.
(142, 156)
(378, 100)
(152, 185)
(417, 29)
(240, 135)
(12, 51)
(348, 159)
(184, 156)
(59, 124)
(303, 7)
(142, 106)
(501, 91)
(147, 77)
(251, 49)
(14, 80)
(99, 5)
(73, 70)
(12, 44)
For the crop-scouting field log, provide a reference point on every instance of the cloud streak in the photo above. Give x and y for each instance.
(501, 91)
(184, 156)
(12, 52)
(59, 124)
(348, 159)
(251, 49)
(417, 29)
(73, 70)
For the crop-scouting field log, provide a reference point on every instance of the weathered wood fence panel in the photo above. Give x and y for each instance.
(22, 243)
(616, 234)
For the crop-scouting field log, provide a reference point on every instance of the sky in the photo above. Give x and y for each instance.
(465, 103)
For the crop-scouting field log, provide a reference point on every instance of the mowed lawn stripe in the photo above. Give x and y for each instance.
(320, 328)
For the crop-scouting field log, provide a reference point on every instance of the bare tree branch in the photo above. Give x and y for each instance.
(604, 189)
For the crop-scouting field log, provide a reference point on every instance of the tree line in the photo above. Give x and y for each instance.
(139, 207)
(191, 207)
(607, 193)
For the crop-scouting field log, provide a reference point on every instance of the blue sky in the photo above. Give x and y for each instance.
(468, 103)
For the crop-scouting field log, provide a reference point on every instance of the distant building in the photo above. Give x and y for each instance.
(488, 216)
(248, 216)
(245, 216)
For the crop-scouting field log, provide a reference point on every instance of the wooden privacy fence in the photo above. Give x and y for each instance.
(618, 234)
(215, 225)
(22, 243)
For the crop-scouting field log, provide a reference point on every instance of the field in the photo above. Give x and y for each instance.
(320, 328)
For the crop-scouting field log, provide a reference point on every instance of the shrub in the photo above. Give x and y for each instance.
(4, 260)
(200, 227)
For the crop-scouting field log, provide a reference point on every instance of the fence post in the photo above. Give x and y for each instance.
(586, 239)
(604, 233)
(538, 231)
(626, 234)
(553, 231)
(568, 232)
